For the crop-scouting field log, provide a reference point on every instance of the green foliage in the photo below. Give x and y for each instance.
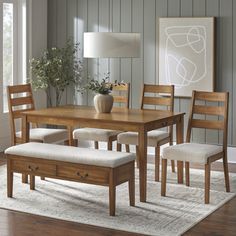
(57, 68)
(102, 87)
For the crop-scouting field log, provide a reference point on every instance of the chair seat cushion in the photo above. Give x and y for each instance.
(131, 138)
(46, 135)
(101, 135)
(71, 154)
(191, 152)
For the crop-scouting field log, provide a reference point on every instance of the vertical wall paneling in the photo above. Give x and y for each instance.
(72, 33)
(199, 10)
(161, 11)
(137, 63)
(80, 8)
(115, 27)
(126, 26)
(173, 10)
(103, 26)
(234, 75)
(186, 9)
(52, 23)
(142, 16)
(93, 21)
(226, 34)
(212, 9)
(149, 57)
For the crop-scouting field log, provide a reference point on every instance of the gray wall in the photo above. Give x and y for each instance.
(72, 17)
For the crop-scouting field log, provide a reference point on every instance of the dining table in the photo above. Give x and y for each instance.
(137, 120)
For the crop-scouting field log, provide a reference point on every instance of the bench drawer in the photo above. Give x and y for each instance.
(34, 168)
(94, 175)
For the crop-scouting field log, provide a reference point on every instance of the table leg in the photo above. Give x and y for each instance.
(142, 157)
(180, 139)
(25, 139)
(70, 136)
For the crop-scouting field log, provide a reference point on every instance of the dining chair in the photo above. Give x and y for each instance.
(153, 97)
(20, 99)
(120, 93)
(202, 153)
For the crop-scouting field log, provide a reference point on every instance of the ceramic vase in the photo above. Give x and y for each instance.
(103, 103)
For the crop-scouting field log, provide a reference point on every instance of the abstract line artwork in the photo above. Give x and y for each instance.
(186, 54)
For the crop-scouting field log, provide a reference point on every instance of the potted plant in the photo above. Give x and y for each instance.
(103, 101)
(55, 70)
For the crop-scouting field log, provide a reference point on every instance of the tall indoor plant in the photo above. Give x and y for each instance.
(55, 70)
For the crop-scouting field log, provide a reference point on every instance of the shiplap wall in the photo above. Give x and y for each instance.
(70, 18)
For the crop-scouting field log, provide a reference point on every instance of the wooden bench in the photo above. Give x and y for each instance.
(99, 167)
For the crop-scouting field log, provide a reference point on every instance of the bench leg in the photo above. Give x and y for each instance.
(9, 182)
(132, 189)
(32, 182)
(24, 178)
(112, 193)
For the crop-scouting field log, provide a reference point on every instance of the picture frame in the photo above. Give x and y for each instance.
(187, 54)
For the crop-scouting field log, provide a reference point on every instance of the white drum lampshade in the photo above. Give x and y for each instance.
(109, 45)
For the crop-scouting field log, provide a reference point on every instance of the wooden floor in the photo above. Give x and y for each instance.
(12, 223)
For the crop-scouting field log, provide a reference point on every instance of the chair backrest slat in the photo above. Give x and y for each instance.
(207, 124)
(157, 101)
(220, 113)
(20, 99)
(121, 94)
(208, 110)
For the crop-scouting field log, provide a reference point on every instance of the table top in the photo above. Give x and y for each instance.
(117, 115)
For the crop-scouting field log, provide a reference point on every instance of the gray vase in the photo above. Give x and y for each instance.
(103, 103)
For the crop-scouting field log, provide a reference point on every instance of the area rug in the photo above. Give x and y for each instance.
(172, 215)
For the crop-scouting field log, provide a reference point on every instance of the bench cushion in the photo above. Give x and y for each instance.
(71, 154)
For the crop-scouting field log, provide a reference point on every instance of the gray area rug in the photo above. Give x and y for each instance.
(172, 215)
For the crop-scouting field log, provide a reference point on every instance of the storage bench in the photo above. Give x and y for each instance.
(99, 167)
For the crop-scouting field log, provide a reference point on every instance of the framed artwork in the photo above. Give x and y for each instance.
(186, 54)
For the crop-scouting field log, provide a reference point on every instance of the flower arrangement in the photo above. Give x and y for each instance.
(103, 87)
(55, 70)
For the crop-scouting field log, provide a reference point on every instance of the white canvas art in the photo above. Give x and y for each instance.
(186, 54)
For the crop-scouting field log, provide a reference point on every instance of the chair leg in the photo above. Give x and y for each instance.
(127, 148)
(96, 146)
(187, 173)
(157, 163)
(118, 147)
(9, 182)
(173, 166)
(109, 145)
(75, 142)
(207, 182)
(112, 194)
(132, 189)
(32, 182)
(226, 173)
(137, 159)
(163, 177)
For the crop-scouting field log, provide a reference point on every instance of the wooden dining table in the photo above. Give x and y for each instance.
(136, 120)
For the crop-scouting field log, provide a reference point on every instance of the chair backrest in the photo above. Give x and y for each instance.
(121, 94)
(161, 97)
(219, 110)
(20, 99)
(158, 95)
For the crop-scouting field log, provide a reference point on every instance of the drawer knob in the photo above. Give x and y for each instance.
(33, 169)
(82, 176)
